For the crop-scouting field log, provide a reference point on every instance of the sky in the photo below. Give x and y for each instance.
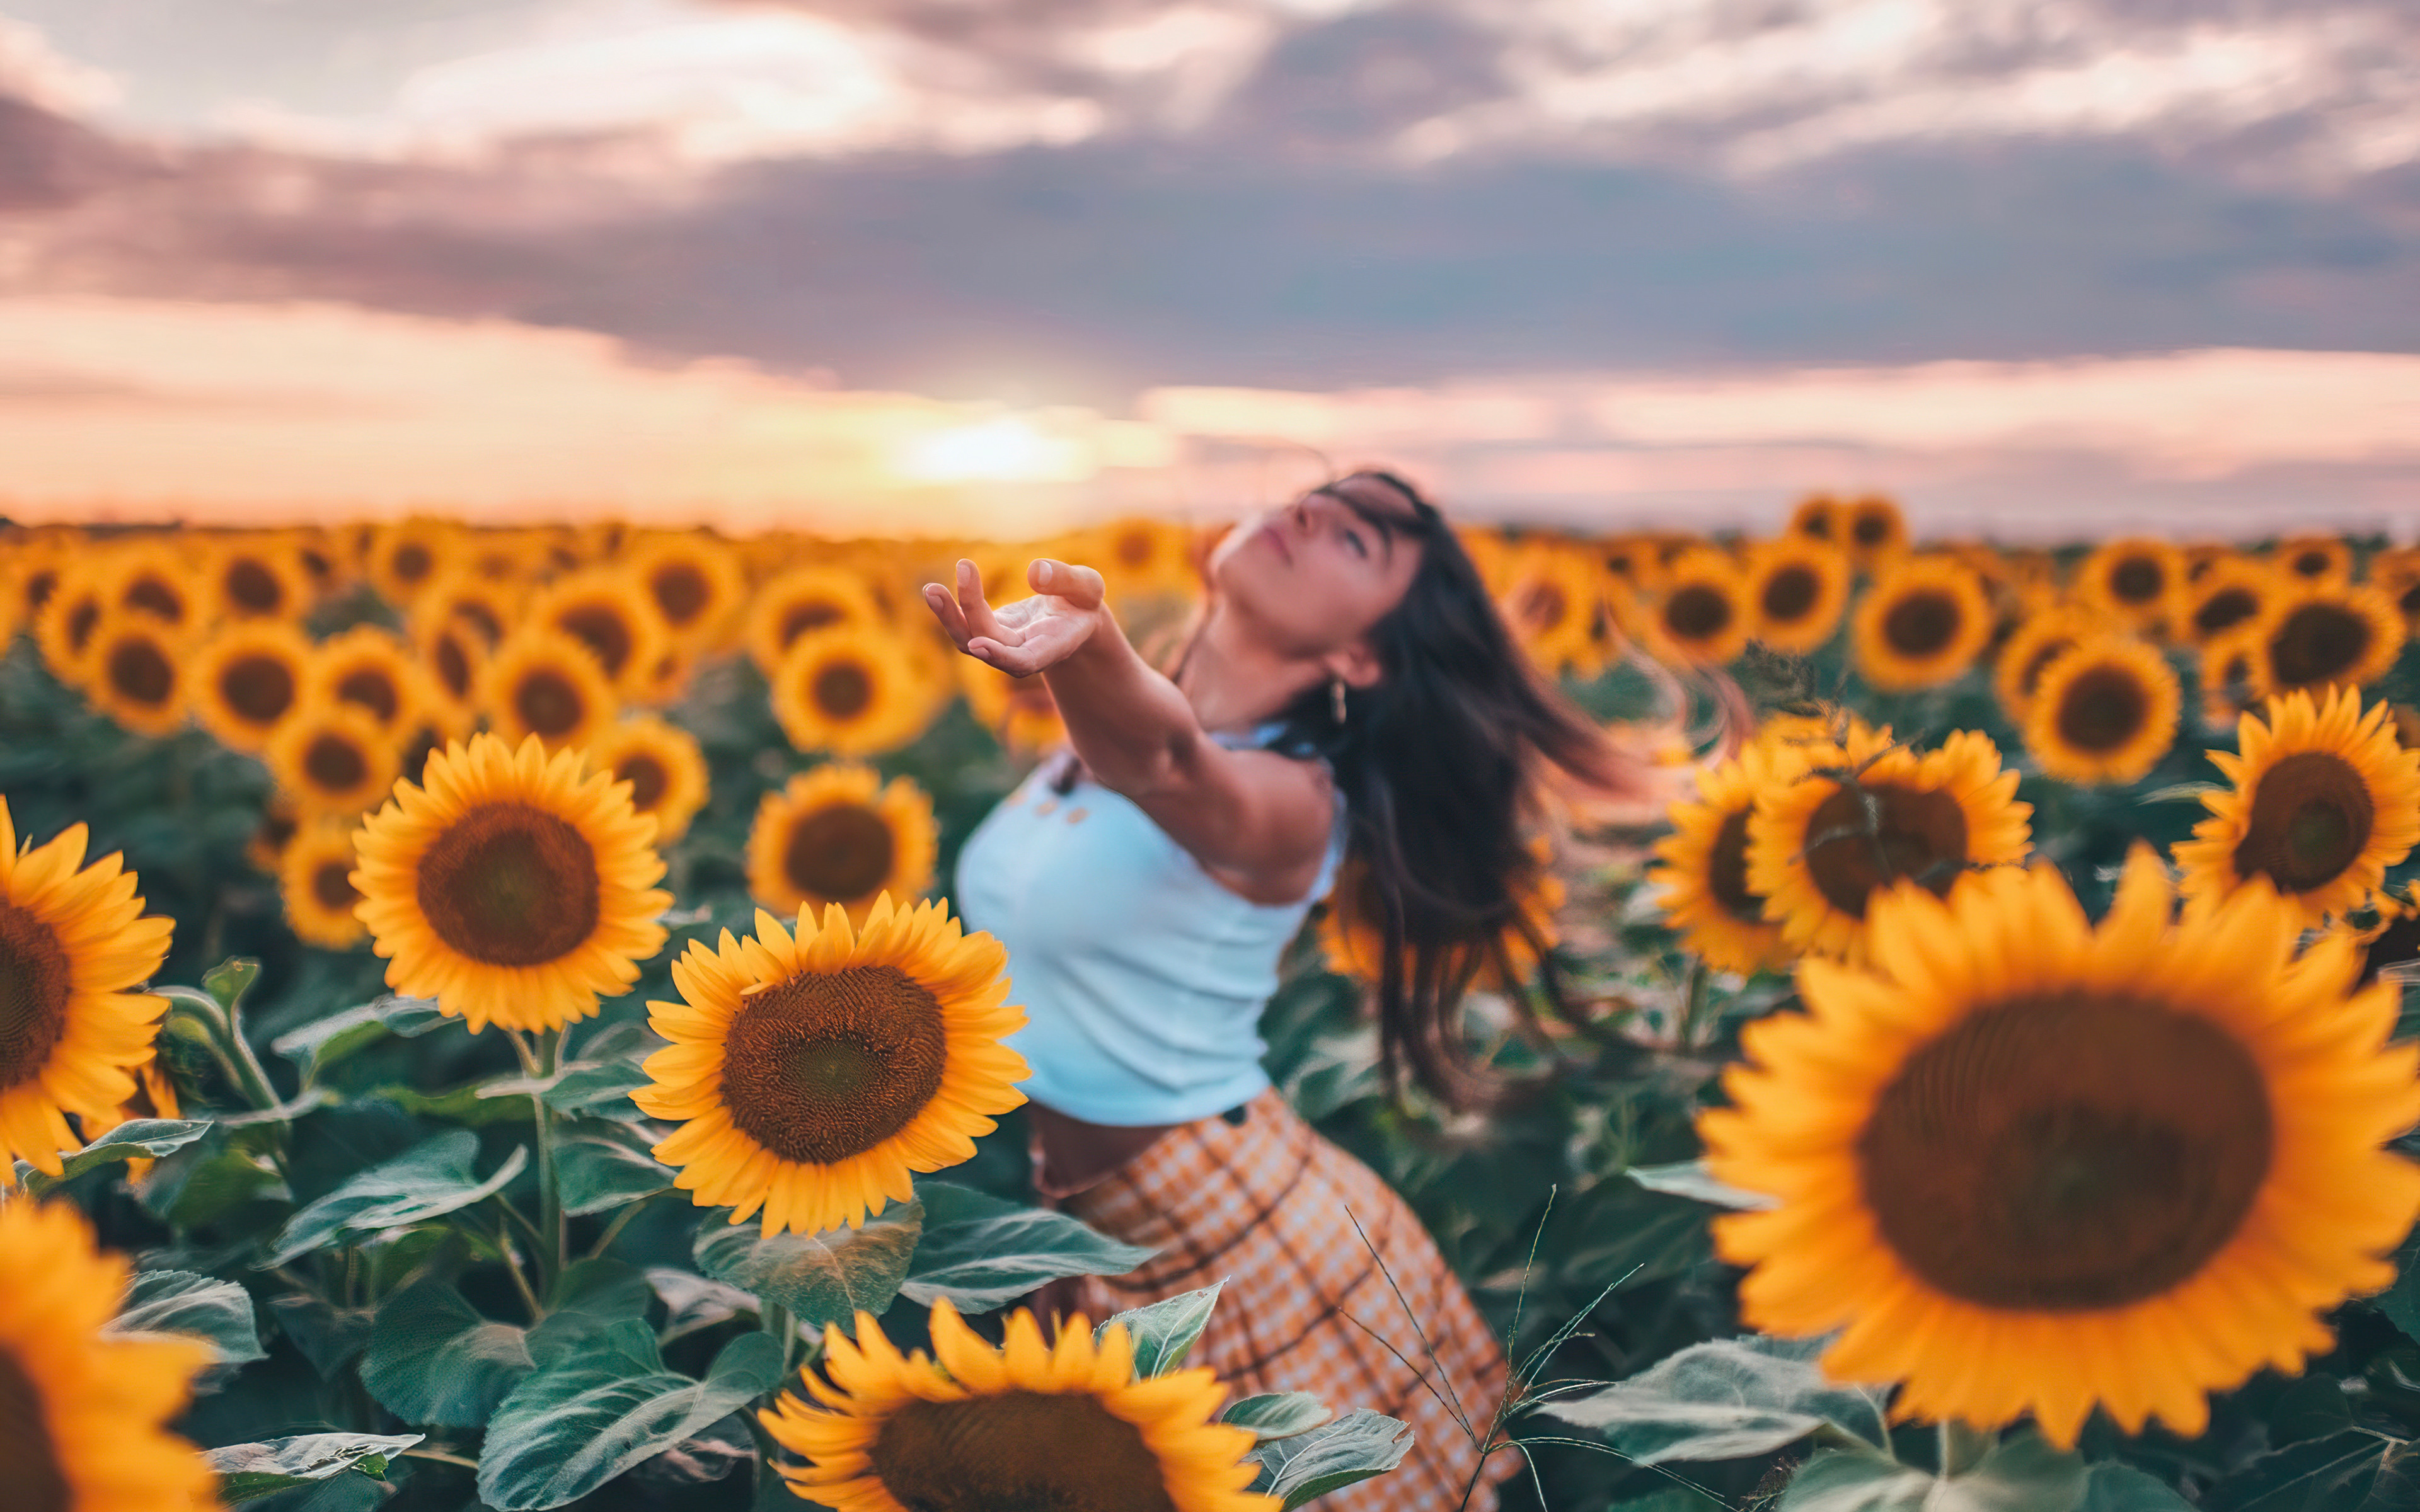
(2039, 270)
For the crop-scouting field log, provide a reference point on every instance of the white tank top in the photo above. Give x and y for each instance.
(1141, 977)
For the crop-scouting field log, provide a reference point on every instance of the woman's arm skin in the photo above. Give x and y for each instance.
(1257, 821)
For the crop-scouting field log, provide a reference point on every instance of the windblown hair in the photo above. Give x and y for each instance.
(1440, 765)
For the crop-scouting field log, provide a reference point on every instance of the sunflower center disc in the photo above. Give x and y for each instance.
(2067, 1153)
(156, 597)
(452, 663)
(1726, 871)
(2136, 581)
(82, 622)
(2410, 602)
(412, 562)
(1910, 836)
(829, 1065)
(29, 1465)
(1870, 530)
(334, 764)
(1543, 605)
(648, 780)
(258, 688)
(812, 616)
(2311, 563)
(838, 853)
(255, 588)
(35, 982)
(373, 691)
(602, 630)
(842, 691)
(2029, 678)
(1019, 1451)
(510, 885)
(2310, 819)
(2318, 643)
(2103, 709)
(1922, 625)
(141, 672)
(680, 590)
(2228, 607)
(549, 704)
(332, 883)
(1698, 612)
(482, 619)
(1789, 594)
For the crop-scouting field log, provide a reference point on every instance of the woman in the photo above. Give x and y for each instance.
(1348, 692)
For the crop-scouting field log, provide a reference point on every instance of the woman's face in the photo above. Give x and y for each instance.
(1315, 574)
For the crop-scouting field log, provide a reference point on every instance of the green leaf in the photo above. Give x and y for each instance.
(1725, 1400)
(982, 1252)
(576, 1424)
(433, 1359)
(590, 1297)
(599, 1172)
(1278, 1416)
(227, 981)
(2300, 1475)
(1851, 1480)
(328, 1335)
(248, 1472)
(2312, 1406)
(1689, 1179)
(1164, 1332)
(2020, 1474)
(178, 1302)
(1355, 1447)
(599, 1089)
(2116, 1487)
(2180, 792)
(821, 1278)
(208, 1180)
(428, 1181)
(138, 1138)
(2401, 1301)
(322, 1042)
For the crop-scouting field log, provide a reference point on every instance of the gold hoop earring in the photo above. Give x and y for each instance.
(1336, 699)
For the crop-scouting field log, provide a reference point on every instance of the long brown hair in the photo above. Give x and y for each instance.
(1440, 765)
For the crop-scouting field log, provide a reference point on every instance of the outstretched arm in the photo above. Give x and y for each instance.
(1261, 816)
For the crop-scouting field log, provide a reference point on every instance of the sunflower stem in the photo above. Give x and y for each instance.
(1962, 1447)
(776, 1320)
(554, 1243)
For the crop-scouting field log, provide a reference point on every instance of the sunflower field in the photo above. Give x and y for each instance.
(482, 1026)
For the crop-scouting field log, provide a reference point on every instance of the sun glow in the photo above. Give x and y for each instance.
(1004, 450)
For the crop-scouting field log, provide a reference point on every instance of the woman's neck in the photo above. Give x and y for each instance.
(1235, 682)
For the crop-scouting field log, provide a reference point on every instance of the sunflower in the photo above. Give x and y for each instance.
(154, 1097)
(696, 583)
(246, 679)
(321, 556)
(1352, 929)
(613, 614)
(1820, 517)
(1017, 710)
(2390, 943)
(1630, 560)
(975, 1429)
(2105, 711)
(1796, 590)
(2027, 1165)
(488, 606)
(257, 577)
(135, 673)
(72, 941)
(510, 887)
(1141, 557)
(663, 765)
(2230, 593)
(2314, 559)
(852, 692)
(543, 683)
(280, 820)
(838, 834)
(1556, 607)
(2323, 800)
(2396, 574)
(1706, 614)
(452, 655)
(1873, 528)
(331, 759)
(1703, 880)
(373, 671)
(87, 1429)
(2135, 583)
(150, 577)
(315, 875)
(2311, 638)
(405, 556)
(1923, 622)
(1866, 813)
(70, 616)
(34, 563)
(810, 1074)
(805, 599)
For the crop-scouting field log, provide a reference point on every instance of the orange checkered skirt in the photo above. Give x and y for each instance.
(1262, 1206)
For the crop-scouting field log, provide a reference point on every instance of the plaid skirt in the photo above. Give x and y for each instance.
(1263, 1205)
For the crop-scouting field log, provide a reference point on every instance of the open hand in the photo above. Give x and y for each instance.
(1027, 636)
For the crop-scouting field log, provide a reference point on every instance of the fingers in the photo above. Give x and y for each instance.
(972, 604)
(945, 610)
(1080, 586)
